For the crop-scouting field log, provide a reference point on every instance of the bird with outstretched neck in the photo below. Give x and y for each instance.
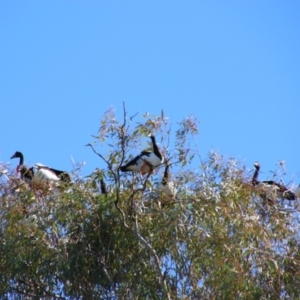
(270, 190)
(146, 161)
(39, 172)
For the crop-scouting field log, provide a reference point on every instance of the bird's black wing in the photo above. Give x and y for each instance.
(289, 195)
(64, 176)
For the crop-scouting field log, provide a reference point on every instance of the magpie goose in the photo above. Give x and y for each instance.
(99, 176)
(146, 161)
(39, 172)
(269, 189)
(166, 188)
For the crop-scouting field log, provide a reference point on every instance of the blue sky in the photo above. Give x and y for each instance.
(235, 65)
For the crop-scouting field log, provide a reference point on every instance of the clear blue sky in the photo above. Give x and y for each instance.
(235, 65)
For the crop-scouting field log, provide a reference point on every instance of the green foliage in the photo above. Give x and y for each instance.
(216, 240)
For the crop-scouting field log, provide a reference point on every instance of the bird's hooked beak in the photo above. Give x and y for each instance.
(14, 156)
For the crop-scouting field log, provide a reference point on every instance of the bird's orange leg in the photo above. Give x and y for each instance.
(145, 168)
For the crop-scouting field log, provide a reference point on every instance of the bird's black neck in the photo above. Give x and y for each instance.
(155, 148)
(166, 175)
(255, 176)
(103, 187)
(21, 156)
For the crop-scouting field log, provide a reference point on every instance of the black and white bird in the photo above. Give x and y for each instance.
(99, 177)
(39, 173)
(271, 190)
(146, 161)
(166, 188)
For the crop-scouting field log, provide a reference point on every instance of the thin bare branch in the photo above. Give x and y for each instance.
(148, 246)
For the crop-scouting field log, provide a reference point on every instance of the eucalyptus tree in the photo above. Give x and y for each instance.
(107, 236)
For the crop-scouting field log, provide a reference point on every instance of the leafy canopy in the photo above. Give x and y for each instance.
(216, 240)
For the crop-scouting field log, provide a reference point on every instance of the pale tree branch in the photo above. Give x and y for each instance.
(148, 246)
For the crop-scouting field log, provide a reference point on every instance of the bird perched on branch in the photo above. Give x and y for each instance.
(39, 173)
(146, 161)
(98, 176)
(167, 190)
(270, 190)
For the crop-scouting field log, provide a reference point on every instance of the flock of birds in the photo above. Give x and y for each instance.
(145, 163)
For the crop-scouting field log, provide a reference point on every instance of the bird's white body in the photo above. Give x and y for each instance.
(271, 192)
(144, 163)
(137, 166)
(152, 159)
(166, 188)
(167, 191)
(43, 173)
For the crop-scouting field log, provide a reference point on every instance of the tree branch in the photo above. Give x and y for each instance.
(156, 260)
